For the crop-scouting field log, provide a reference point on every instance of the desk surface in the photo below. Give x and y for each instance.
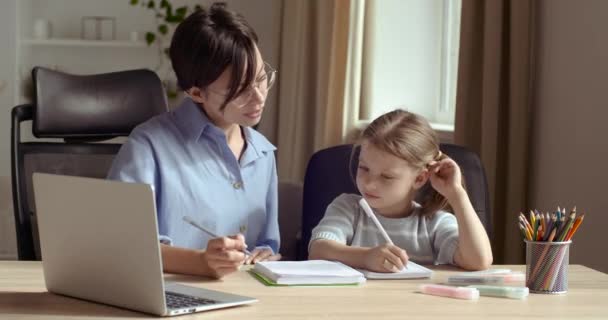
(23, 296)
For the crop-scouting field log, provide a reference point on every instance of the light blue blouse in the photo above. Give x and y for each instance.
(187, 161)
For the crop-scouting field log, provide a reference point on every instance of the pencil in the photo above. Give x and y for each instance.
(560, 225)
(193, 223)
(553, 221)
(536, 227)
(577, 223)
(522, 218)
(542, 257)
(523, 230)
(543, 226)
(532, 218)
(566, 229)
(551, 236)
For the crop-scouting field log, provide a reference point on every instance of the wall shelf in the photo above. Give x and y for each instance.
(73, 42)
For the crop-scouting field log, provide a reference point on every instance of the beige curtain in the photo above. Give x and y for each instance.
(493, 108)
(313, 71)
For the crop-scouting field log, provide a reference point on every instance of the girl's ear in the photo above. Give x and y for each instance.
(197, 95)
(422, 178)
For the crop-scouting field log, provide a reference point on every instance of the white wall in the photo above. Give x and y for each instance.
(7, 72)
(570, 145)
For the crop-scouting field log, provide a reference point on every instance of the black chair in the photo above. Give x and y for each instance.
(78, 114)
(327, 176)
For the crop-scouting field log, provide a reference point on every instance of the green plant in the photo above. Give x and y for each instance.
(167, 17)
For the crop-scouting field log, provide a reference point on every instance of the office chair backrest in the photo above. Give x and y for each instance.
(84, 112)
(327, 176)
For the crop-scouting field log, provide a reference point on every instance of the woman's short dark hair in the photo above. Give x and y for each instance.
(209, 41)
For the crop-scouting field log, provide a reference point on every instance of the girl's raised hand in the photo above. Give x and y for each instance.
(445, 177)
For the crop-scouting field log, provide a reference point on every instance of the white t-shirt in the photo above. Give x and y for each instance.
(430, 239)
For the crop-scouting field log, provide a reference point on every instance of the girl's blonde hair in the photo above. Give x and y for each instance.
(410, 137)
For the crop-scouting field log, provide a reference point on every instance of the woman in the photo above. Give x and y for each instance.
(203, 159)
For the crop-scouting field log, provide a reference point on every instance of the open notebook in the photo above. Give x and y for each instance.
(311, 272)
(412, 271)
(323, 272)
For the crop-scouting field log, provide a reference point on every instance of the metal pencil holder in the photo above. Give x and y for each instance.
(547, 266)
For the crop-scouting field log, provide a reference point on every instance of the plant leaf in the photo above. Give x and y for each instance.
(163, 29)
(150, 37)
(173, 19)
(181, 11)
(168, 10)
(151, 4)
(134, 2)
(164, 3)
(171, 94)
(166, 51)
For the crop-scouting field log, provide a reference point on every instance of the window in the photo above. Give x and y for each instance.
(410, 59)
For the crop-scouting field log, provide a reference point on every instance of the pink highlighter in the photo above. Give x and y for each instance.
(451, 292)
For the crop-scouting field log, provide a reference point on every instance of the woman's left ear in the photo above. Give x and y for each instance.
(422, 178)
(197, 95)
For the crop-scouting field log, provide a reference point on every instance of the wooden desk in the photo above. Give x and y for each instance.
(23, 296)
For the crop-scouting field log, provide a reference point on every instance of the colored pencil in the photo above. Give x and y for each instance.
(577, 223)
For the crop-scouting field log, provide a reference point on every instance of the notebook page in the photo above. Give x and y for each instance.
(412, 271)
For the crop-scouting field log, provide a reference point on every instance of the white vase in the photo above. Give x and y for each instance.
(43, 29)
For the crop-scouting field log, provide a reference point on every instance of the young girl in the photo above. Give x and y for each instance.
(399, 154)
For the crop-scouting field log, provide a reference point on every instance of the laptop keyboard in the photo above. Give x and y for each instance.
(180, 301)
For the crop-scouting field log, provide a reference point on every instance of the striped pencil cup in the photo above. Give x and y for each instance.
(547, 266)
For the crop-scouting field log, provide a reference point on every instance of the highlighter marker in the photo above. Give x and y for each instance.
(503, 292)
(450, 292)
(488, 271)
(487, 279)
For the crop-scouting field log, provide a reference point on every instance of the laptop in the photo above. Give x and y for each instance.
(99, 242)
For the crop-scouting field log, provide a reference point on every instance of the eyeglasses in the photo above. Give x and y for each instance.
(263, 83)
